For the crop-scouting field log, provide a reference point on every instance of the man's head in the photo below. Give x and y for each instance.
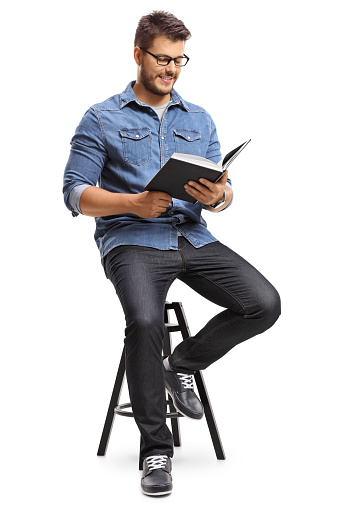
(159, 34)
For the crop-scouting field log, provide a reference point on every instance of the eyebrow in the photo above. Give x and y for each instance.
(167, 56)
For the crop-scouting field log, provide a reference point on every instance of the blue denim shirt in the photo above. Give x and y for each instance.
(120, 144)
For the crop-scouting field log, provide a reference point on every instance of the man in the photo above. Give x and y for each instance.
(147, 239)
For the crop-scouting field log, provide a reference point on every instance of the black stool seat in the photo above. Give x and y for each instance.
(120, 409)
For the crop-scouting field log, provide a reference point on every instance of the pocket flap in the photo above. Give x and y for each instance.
(187, 135)
(134, 134)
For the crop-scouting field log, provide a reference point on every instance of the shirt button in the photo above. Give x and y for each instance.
(162, 137)
(189, 137)
(137, 135)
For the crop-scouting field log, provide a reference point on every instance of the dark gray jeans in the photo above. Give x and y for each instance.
(141, 277)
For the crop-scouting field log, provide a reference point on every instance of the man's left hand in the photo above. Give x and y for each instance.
(206, 192)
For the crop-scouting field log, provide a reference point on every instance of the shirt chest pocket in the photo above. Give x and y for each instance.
(136, 145)
(187, 142)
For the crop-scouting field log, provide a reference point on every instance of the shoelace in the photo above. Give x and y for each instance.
(187, 380)
(154, 462)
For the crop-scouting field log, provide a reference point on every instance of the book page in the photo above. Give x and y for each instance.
(200, 161)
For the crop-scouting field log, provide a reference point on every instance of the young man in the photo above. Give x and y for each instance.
(147, 239)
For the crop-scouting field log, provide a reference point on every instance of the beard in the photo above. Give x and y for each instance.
(149, 81)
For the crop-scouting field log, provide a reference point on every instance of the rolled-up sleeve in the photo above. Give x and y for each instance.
(86, 161)
(229, 184)
(74, 198)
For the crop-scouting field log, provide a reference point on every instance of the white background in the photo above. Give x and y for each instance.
(264, 70)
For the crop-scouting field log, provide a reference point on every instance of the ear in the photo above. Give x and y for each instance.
(137, 55)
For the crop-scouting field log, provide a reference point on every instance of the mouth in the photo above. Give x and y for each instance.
(166, 79)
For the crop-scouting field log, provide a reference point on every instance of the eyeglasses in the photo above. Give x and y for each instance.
(165, 59)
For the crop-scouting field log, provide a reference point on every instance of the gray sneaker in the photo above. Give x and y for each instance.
(180, 387)
(156, 476)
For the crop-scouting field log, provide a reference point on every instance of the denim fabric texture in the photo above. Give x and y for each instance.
(142, 277)
(121, 144)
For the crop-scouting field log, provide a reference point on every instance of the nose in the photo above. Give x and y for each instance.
(171, 67)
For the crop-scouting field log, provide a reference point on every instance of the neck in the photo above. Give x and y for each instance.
(148, 98)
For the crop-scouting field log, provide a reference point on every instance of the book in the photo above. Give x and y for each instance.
(180, 168)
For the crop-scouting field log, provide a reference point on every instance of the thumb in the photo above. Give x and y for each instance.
(223, 179)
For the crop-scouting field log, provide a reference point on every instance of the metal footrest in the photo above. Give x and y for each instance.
(120, 410)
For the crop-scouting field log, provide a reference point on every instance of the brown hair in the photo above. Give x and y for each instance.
(160, 23)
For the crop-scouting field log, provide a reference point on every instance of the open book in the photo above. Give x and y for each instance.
(180, 168)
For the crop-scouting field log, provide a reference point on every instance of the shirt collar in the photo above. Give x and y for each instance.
(128, 96)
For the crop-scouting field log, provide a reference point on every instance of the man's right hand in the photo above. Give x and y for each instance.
(150, 204)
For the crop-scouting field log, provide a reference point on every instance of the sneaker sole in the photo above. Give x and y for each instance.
(157, 493)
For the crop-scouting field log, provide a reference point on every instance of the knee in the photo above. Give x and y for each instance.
(270, 306)
(144, 328)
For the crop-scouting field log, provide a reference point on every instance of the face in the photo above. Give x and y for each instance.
(156, 79)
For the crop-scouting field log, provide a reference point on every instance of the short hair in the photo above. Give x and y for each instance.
(160, 23)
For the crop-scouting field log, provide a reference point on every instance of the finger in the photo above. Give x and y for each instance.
(200, 187)
(159, 212)
(160, 195)
(212, 185)
(200, 196)
(165, 196)
(191, 190)
(224, 178)
(207, 183)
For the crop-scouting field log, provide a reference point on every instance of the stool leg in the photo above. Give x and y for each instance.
(167, 349)
(212, 425)
(175, 425)
(106, 432)
(141, 461)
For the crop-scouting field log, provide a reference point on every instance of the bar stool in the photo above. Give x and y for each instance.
(120, 409)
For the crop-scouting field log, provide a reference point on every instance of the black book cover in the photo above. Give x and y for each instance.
(180, 168)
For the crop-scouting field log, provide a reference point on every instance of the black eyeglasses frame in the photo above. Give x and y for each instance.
(169, 58)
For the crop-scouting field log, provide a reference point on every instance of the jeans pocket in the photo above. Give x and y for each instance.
(187, 142)
(136, 144)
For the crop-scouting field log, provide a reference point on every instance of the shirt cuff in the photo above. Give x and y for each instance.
(74, 198)
(229, 185)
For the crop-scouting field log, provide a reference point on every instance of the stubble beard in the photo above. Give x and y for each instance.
(149, 83)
